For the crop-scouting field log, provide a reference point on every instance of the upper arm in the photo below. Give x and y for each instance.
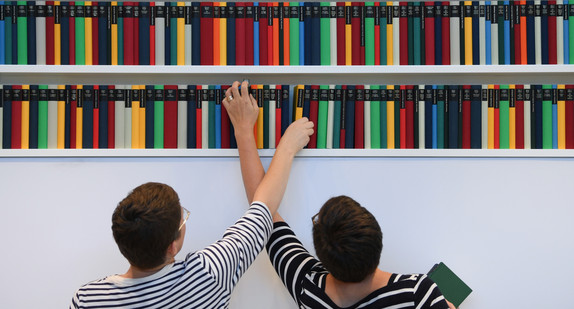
(428, 295)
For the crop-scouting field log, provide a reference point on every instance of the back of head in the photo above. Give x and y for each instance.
(347, 238)
(145, 223)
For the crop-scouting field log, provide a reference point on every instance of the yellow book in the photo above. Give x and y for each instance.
(88, 35)
(468, 35)
(490, 118)
(181, 36)
(26, 117)
(512, 119)
(135, 117)
(259, 136)
(61, 120)
(299, 102)
(142, 126)
(561, 117)
(114, 37)
(348, 40)
(390, 45)
(57, 44)
(390, 120)
(79, 117)
(223, 38)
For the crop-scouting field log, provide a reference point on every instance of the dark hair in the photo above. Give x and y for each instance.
(347, 238)
(145, 223)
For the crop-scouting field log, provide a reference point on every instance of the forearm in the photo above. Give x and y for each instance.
(251, 168)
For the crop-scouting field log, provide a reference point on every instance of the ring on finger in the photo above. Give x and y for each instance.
(229, 98)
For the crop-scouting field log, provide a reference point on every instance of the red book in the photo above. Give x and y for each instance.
(263, 11)
(136, 34)
(198, 122)
(152, 40)
(73, 122)
(429, 33)
(403, 117)
(314, 114)
(128, 33)
(49, 34)
(72, 36)
(111, 120)
(343, 131)
(552, 49)
(466, 98)
(497, 117)
(16, 138)
(225, 123)
(517, 36)
(96, 118)
(356, 33)
(341, 60)
(377, 36)
(410, 117)
(207, 33)
(360, 117)
(95, 37)
(239, 33)
(249, 34)
(445, 37)
(569, 116)
(519, 109)
(270, 33)
(170, 117)
(278, 96)
(404, 34)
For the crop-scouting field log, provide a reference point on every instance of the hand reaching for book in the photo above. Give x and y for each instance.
(297, 135)
(241, 107)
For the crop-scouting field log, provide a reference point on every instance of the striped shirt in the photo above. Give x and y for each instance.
(304, 276)
(204, 279)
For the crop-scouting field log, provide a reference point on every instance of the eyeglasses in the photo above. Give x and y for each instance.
(187, 213)
(315, 219)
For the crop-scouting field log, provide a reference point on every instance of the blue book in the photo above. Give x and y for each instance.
(8, 32)
(554, 117)
(507, 32)
(86, 100)
(285, 107)
(428, 95)
(211, 115)
(231, 34)
(434, 111)
(196, 33)
(149, 99)
(7, 117)
(217, 123)
(453, 111)
(101, 100)
(33, 97)
(476, 117)
(565, 26)
(103, 36)
(65, 32)
(338, 100)
(441, 97)
(307, 101)
(64, 95)
(2, 36)
(191, 120)
(308, 33)
(167, 34)
(316, 33)
(31, 33)
(544, 32)
(350, 118)
(475, 33)
(530, 46)
(255, 33)
(537, 119)
(172, 11)
(438, 20)
(144, 44)
(302, 31)
(487, 33)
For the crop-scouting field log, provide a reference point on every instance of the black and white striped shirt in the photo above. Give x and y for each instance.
(304, 276)
(204, 279)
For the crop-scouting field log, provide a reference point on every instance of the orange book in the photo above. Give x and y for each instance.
(216, 34)
(523, 46)
(286, 33)
(276, 33)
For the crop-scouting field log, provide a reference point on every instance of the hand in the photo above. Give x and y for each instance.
(242, 109)
(297, 135)
(450, 305)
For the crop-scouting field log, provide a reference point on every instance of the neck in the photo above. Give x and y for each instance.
(346, 294)
(135, 272)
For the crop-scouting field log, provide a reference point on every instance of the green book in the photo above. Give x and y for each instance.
(120, 33)
(294, 33)
(504, 117)
(375, 117)
(441, 98)
(158, 116)
(500, 16)
(22, 24)
(417, 11)
(383, 117)
(80, 34)
(547, 94)
(325, 34)
(383, 33)
(173, 47)
(323, 114)
(450, 285)
(370, 33)
(410, 32)
(43, 117)
(211, 115)
(337, 117)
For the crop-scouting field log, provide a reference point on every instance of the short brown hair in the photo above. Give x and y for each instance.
(348, 239)
(145, 223)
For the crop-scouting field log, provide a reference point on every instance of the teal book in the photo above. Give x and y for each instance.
(450, 285)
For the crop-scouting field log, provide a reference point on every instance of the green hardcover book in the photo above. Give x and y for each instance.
(22, 24)
(450, 285)
(325, 34)
(323, 115)
(504, 117)
(294, 33)
(383, 117)
(158, 116)
(43, 117)
(120, 33)
(337, 117)
(370, 33)
(441, 98)
(547, 95)
(383, 35)
(417, 33)
(500, 16)
(173, 47)
(211, 115)
(80, 34)
(375, 117)
(410, 33)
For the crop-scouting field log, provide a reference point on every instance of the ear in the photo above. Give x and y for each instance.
(172, 249)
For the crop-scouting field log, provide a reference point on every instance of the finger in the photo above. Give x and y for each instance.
(245, 89)
(235, 90)
(253, 101)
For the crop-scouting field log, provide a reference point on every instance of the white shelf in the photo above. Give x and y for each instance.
(309, 153)
(453, 74)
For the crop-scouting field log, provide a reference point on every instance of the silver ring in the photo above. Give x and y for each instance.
(229, 98)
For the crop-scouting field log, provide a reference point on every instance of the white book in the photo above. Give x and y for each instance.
(330, 116)
(181, 119)
(421, 108)
(41, 37)
(396, 34)
(333, 32)
(484, 118)
(527, 121)
(455, 35)
(494, 37)
(481, 33)
(560, 32)
(160, 36)
(188, 34)
(53, 117)
(367, 119)
(205, 116)
(120, 111)
(272, 108)
(537, 33)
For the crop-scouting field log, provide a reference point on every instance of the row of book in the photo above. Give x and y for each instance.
(286, 33)
(345, 116)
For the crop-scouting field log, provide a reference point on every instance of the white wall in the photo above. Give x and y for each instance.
(504, 225)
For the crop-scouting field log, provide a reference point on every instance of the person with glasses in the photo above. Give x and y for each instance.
(149, 227)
